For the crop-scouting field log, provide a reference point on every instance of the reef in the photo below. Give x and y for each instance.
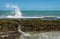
(9, 26)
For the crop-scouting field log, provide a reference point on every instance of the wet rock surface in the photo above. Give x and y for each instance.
(44, 27)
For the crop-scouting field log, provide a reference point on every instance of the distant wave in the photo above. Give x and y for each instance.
(30, 17)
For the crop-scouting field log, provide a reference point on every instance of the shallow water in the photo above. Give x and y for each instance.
(40, 13)
(42, 35)
(32, 13)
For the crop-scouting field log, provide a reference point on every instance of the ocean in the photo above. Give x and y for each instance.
(41, 13)
(31, 13)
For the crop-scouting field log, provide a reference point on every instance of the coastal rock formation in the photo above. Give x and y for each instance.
(10, 28)
(40, 25)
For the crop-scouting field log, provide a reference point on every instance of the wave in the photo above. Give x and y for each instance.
(30, 17)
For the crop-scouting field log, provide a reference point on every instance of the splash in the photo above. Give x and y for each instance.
(17, 11)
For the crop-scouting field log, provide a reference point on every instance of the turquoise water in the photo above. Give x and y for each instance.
(32, 13)
(6, 13)
(41, 13)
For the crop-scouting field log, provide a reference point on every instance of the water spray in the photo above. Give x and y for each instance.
(17, 11)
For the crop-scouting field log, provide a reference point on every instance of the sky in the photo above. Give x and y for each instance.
(32, 5)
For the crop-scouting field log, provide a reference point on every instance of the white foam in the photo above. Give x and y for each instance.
(33, 17)
(42, 35)
(17, 11)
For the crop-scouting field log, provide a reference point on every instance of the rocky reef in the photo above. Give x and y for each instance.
(40, 25)
(9, 28)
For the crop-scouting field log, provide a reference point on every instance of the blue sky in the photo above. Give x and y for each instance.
(33, 5)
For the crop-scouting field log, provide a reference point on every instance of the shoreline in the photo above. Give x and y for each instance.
(28, 25)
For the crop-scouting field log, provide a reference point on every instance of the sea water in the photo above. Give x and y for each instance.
(42, 35)
(41, 13)
(31, 13)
